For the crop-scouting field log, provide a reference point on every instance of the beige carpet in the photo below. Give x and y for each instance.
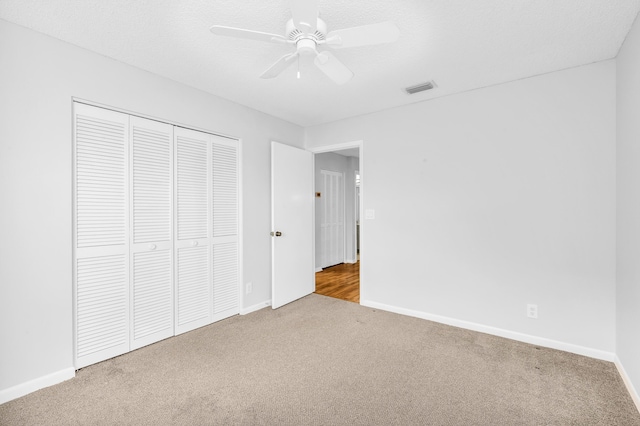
(325, 361)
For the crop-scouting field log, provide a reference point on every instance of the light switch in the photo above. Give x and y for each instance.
(369, 214)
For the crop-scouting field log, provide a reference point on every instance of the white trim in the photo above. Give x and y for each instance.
(336, 147)
(25, 388)
(318, 269)
(627, 382)
(351, 260)
(255, 307)
(513, 335)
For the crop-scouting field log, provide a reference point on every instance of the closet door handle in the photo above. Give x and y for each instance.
(152, 246)
(194, 243)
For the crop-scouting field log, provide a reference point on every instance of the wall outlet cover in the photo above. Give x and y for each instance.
(532, 310)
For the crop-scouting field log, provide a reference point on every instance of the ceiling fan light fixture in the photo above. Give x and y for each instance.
(306, 46)
(307, 32)
(422, 87)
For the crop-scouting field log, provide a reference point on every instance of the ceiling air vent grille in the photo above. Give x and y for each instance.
(420, 87)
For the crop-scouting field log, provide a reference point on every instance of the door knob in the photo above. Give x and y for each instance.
(276, 234)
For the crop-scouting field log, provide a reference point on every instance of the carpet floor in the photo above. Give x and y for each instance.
(324, 361)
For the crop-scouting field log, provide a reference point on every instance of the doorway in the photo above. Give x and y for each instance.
(340, 165)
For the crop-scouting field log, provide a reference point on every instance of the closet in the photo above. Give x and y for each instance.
(156, 246)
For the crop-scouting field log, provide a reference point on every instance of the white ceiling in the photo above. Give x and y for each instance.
(461, 44)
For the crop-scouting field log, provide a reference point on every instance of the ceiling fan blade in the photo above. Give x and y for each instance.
(366, 35)
(333, 68)
(248, 34)
(282, 64)
(305, 15)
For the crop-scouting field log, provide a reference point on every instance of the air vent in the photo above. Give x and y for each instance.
(420, 87)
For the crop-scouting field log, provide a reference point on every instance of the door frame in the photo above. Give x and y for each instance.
(338, 147)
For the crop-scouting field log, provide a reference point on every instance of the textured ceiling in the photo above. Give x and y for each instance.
(460, 44)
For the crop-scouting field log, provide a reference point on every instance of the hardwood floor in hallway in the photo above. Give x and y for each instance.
(340, 281)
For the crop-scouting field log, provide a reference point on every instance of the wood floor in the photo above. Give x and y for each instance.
(340, 281)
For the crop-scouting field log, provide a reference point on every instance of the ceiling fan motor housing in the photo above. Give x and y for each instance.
(306, 43)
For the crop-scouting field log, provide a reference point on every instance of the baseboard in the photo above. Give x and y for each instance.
(255, 307)
(521, 337)
(351, 261)
(627, 382)
(318, 269)
(23, 389)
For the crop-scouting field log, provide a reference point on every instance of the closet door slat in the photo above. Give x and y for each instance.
(225, 243)
(101, 237)
(225, 188)
(193, 190)
(225, 280)
(152, 180)
(152, 301)
(193, 288)
(101, 209)
(152, 228)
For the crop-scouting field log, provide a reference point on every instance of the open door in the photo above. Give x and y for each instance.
(292, 205)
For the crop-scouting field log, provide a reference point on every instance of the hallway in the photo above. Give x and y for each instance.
(340, 281)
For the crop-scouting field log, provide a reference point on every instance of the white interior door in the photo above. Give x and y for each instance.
(332, 222)
(292, 205)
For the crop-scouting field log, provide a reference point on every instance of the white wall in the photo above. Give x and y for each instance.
(628, 217)
(492, 199)
(346, 165)
(38, 78)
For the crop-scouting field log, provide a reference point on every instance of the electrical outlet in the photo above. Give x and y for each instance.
(532, 311)
(248, 288)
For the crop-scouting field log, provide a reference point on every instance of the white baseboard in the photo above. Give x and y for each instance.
(351, 261)
(627, 382)
(318, 269)
(23, 389)
(521, 337)
(255, 307)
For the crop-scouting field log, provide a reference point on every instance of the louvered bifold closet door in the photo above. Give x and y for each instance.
(101, 234)
(151, 231)
(193, 277)
(225, 258)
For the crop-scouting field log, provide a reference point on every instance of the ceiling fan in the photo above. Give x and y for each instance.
(307, 31)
